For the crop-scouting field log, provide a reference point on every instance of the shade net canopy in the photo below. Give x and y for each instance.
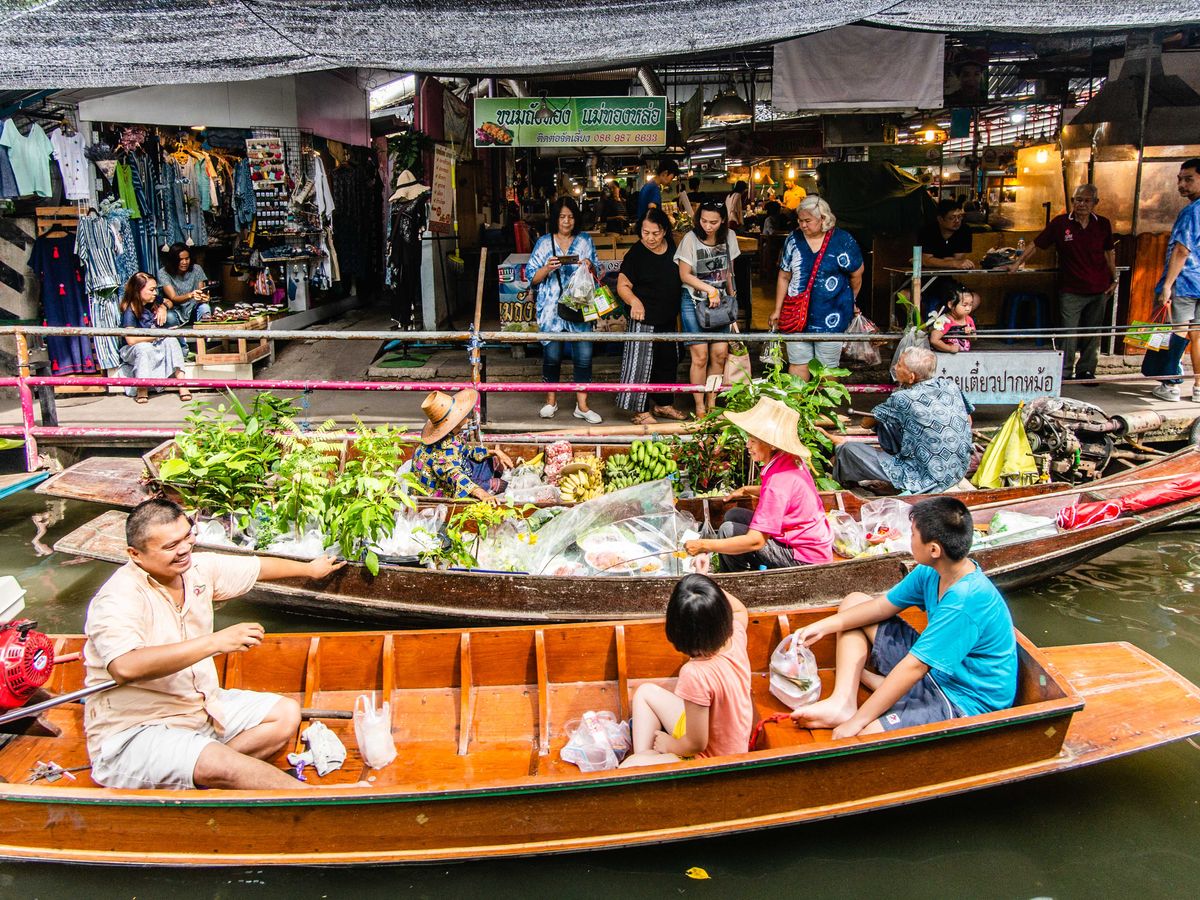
(110, 43)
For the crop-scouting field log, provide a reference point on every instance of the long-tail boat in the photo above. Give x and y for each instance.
(401, 593)
(124, 482)
(479, 719)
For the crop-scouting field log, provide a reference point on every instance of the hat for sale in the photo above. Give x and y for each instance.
(445, 413)
(774, 422)
(407, 187)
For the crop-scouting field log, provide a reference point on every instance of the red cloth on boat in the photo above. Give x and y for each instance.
(1186, 487)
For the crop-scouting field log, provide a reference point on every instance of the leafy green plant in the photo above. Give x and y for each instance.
(361, 505)
(468, 527)
(222, 464)
(816, 400)
(299, 490)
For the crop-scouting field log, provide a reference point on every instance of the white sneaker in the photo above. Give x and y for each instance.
(591, 416)
(1166, 392)
(548, 411)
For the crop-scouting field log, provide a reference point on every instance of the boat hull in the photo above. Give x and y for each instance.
(1129, 701)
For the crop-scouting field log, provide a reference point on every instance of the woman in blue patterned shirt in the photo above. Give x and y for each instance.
(444, 463)
(550, 270)
(924, 433)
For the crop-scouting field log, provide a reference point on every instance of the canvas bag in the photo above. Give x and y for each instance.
(794, 315)
(737, 363)
(373, 731)
(1167, 360)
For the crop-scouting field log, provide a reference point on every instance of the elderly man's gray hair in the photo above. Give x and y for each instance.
(1090, 189)
(919, 361)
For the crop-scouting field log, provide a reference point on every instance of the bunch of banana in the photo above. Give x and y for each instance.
(645, 461)
(581, 484)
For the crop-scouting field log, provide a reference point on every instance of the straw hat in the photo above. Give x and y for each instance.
(407, 187)
(772, 421)
(445, 413)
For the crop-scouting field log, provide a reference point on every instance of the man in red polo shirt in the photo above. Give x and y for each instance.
(1087, 268)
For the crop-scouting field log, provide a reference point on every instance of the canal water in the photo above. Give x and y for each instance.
(1127, 828)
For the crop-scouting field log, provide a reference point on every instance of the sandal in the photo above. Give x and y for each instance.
(184, 396)
(141, 399)
(644, 418)
(670, 412)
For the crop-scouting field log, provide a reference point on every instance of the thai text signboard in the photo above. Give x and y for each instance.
(1003, 377)
(571, 121)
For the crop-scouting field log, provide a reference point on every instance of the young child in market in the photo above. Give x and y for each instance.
(710, 712)
(965, 661)
(953, 326)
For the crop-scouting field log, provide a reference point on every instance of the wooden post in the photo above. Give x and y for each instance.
(477, 354)
(26, 395)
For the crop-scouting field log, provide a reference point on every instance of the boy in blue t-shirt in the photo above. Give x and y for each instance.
(963, 663)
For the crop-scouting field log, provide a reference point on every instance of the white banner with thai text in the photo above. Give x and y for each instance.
(1003, 376)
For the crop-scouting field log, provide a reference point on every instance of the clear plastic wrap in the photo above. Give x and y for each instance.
(596, 742)
(415, 532)
(886, 526)
(795, 681)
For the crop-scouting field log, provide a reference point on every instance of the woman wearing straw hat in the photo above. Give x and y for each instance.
(445, 464)
(788, 526)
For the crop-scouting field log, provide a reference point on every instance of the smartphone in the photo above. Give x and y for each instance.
(569, 260)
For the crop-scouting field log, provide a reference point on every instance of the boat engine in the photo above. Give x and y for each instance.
(1071, 439)
(26, 662)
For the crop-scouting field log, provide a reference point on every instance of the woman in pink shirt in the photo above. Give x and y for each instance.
(710, 712)
(788, 526)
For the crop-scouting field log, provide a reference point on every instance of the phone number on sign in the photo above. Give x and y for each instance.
(628, 137)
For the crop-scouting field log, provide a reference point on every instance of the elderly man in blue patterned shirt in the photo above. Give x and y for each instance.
(924, 433)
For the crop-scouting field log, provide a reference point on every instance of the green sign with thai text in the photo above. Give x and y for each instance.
(571, 122)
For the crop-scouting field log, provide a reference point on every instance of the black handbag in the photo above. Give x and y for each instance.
(722, 315)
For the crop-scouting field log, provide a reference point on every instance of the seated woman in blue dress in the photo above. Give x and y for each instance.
(148, 357)
(445, 464)
(924, 431)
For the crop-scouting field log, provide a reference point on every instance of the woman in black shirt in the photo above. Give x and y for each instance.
(649, 283)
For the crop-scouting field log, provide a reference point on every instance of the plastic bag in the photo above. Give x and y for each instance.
(1008, 526)
(581, 289)
(373, 731)
(557, 456)
(307, 544)
(886, 525)
(794, 679)
(864, 352)
(525, 485)
(913, 337)
(596, 742)
(849, 538)
(416, 531)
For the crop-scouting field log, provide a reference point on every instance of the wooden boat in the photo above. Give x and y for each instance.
(479, 719)
(127, 481)
(398, 593)
(19, 481)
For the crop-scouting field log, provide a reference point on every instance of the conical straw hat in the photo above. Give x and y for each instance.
(774, 422)
(445, 413)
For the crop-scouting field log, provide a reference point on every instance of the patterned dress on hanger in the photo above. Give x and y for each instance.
(64, 303)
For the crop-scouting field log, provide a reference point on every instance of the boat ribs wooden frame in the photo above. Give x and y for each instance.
(479, 718)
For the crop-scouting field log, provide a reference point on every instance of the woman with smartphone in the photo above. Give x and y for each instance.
(551, 265)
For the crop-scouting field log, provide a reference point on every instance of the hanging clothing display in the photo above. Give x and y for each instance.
(68, 152)
(8, 179)
(357, 220)
(244, 206)
(147, 227)
(409, 218)
(124, 241)
(29, 156)
(64, 303)
(96, 249)
(125, 189)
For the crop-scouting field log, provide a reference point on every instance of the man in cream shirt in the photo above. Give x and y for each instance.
(169, 723)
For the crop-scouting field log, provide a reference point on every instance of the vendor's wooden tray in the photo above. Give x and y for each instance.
(254, 324)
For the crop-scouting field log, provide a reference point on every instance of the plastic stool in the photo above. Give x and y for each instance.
(1016, 303)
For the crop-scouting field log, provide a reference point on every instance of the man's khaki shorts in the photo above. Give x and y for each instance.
(164, 756)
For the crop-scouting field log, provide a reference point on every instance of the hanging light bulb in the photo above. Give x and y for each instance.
(1042, 155)
(758, 175)
(930, 132)
(791, 172)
